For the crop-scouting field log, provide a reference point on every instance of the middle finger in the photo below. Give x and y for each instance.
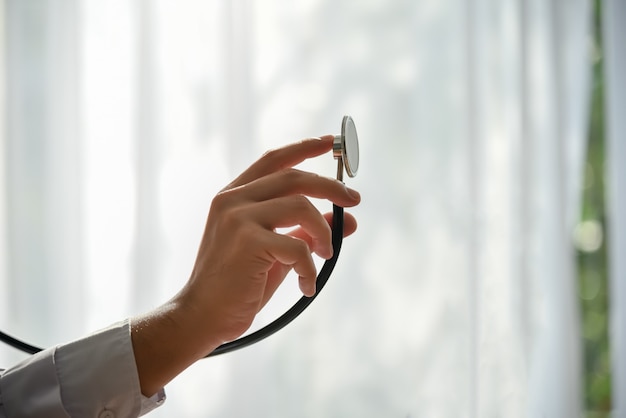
(296, 210)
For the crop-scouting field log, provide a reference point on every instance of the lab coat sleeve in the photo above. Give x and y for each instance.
(95, 376)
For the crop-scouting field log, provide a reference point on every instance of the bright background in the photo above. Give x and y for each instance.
(458, 296)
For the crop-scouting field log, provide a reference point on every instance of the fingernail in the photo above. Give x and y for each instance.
(323, 250)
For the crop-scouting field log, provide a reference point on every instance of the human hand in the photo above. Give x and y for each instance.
(242, 260)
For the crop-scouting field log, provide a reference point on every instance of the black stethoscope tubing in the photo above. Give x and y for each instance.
(266, 331)
(299, 307)
(20, 345)
(348, 159)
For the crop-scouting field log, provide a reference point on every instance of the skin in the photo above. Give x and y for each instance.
(242, 260)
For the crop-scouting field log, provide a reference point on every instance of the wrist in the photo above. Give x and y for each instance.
(195, 325)
(166, 341)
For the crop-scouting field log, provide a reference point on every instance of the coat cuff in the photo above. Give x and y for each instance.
(95, 376)
(31, 388)
(111, 382)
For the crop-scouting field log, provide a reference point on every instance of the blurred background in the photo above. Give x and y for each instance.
(485, 278)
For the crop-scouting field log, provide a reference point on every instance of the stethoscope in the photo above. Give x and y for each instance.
(346, 152)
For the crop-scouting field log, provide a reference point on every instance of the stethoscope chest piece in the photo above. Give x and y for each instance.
(346, 148)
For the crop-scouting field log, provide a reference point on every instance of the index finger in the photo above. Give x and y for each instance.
(284, 157)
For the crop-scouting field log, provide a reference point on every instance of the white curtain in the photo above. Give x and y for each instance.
(457, 295)
(614, 34)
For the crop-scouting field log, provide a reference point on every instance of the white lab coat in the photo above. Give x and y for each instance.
(95, 376)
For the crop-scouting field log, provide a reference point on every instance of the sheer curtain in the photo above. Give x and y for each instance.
(614, 32)
(457, 295)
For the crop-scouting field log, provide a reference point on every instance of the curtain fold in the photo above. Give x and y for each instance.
(457, 295)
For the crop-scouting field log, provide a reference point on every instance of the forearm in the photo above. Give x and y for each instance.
(166, 341)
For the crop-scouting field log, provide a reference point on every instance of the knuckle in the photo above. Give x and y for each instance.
(289, 174)
(272, 157)
(302, 249)
(221, 200)
(292, 178)
(228, 219)
(227, 200)
(233, 218)
(300, 202)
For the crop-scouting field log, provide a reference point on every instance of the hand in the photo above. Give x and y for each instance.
(242, 260)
